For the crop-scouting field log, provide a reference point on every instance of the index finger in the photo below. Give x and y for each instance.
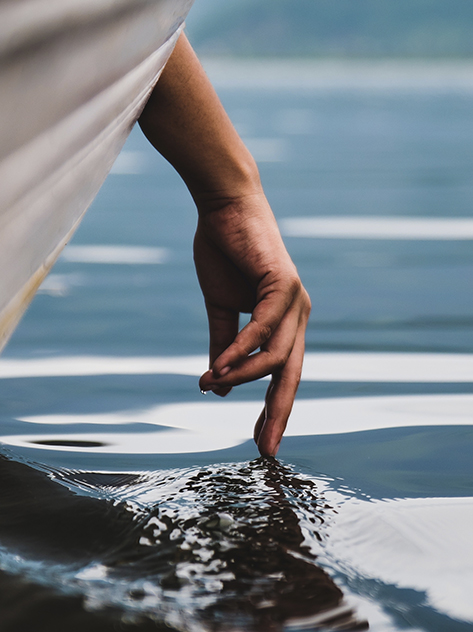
(265, 319)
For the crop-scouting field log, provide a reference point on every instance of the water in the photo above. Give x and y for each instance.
(129, 499)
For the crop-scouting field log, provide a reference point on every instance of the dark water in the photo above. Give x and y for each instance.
(220, 548)
(110, 520)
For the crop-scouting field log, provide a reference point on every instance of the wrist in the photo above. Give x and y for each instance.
(230, 184)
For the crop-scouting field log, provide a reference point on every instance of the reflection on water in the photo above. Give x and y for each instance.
(220, 548)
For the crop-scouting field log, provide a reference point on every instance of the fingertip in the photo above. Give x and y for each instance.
(205, 380)
(266, 438)
(207, 383)
(268, 448)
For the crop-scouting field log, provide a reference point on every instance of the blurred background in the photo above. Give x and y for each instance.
(350, 108)
(324, 28)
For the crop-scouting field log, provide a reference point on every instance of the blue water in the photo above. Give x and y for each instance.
(321, 153)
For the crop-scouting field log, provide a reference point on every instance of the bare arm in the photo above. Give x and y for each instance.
(240, 258)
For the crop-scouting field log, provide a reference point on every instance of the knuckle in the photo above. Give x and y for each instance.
(240, 348)
(294, 284)
(306, 303)
(278, 361)
(278, 364)
(265, 331)
(300, 294)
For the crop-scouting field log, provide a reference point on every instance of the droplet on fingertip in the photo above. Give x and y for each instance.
(203, 392)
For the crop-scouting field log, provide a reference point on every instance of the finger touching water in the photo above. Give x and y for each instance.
(280, 356)
(280, 395)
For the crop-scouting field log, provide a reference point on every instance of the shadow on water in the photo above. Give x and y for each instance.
(219, 548)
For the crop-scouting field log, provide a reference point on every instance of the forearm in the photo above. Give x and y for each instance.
(186, 122)
(188, 125)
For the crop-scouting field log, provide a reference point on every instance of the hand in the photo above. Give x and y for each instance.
(243, 266)
(240, 258)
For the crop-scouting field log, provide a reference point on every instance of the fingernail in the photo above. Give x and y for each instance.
(225, 370)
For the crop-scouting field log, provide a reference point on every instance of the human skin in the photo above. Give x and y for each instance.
(241, 261)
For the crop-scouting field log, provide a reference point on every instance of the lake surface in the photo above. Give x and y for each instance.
(129, 499)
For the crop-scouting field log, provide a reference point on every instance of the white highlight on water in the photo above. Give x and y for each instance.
(60, 284)
(323, 367)
(388, 367)
(424, 544)
(103, 365)
(201, 427)
(369, 227)
(115, 254)
(129, 163)
(413, 76)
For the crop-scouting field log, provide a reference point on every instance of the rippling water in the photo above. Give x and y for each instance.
(225, 547)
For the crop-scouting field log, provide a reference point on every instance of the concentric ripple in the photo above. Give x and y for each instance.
(225, 548)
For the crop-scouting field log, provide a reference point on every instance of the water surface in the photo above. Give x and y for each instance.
(129, 499)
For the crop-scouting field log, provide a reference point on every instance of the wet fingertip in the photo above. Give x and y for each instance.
(205, 380)
(267, 448)
(263, 451)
